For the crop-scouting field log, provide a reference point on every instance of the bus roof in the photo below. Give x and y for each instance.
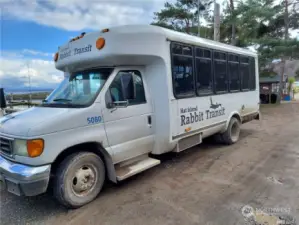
(177, 37)
(181, 37)
(130, 44)
(203, 42)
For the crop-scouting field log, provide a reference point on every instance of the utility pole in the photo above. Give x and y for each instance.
(29, 83)
(200, 7)
(216, 21)
(198, 11)
(283, 58)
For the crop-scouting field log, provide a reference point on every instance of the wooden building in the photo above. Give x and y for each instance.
(269, 88)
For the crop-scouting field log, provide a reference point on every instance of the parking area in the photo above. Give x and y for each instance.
(208, 184)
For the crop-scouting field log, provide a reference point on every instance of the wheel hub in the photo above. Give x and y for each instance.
(84, 180)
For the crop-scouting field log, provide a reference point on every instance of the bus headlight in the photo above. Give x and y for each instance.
(31, 148)
(20, 147)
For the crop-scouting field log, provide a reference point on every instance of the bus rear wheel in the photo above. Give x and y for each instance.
(79, 179)
(232, 133)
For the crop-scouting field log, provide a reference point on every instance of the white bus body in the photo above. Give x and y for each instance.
(128, 92)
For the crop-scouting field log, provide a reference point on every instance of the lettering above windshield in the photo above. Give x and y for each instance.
(69, 52)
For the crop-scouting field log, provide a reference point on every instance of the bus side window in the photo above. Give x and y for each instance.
(220, 72)
(233, 73)
(182, 71)
(204, 72)
(244, 73)
(128, 85)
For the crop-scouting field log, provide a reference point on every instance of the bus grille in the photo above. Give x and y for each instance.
(6, 146)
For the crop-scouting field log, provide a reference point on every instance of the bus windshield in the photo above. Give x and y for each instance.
(79, 89)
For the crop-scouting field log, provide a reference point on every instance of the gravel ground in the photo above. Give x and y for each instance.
(208, 184)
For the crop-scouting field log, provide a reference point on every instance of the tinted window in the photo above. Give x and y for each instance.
(234, 81)
(203, 53)
(233, 58)
(220, 55)
(252, 85)
(177, 49)
(244, 60)
(183, 80)
(244, 73)
(187, 50)
(220, 72)
(204, 82)
(181, 50)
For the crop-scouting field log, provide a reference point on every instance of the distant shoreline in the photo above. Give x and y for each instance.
(23, 96)
(8, 92)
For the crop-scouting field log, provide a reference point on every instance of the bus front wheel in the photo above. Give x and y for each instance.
(79, 179)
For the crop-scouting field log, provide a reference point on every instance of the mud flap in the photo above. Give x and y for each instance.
(258, 116)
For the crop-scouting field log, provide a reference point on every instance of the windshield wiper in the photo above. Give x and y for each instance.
(62, 100)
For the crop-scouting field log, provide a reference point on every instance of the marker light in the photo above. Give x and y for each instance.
(78, 37)
(105, 30)
(187, 129)
(56, 57)
(100, 43)
(35, 147)
(82, 35)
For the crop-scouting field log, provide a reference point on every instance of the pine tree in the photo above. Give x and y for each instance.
(183, 16)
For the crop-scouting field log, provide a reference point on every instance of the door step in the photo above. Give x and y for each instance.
(126, 170)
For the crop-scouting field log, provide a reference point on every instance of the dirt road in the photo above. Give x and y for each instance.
(209, 184)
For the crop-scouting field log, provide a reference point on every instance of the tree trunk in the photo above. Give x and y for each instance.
(286, 21)
(283, 58)
(187, 26)
(232, 8)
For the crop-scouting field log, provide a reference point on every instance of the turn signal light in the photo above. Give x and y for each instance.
(56, 57)
(35, 147)
(100, 43)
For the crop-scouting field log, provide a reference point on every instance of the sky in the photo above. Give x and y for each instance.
(32, 30)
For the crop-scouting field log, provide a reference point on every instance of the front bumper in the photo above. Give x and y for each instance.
(25, 180)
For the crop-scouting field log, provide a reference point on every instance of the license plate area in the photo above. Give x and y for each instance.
(13, 187)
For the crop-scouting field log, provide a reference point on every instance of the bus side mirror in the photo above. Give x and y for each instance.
(2, 99)
(110, 104)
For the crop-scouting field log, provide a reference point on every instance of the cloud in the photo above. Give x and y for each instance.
(74, 15)
(14, 71)
(37, 53)
(27, 53)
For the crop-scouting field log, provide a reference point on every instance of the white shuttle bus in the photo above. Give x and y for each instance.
(129, 93)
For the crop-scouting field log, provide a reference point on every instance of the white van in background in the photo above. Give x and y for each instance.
(128, 92)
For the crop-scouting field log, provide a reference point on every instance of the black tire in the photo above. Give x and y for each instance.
(231, 135)
(218, 138)
(76, 170)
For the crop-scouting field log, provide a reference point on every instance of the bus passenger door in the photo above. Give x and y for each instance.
(128, 115)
